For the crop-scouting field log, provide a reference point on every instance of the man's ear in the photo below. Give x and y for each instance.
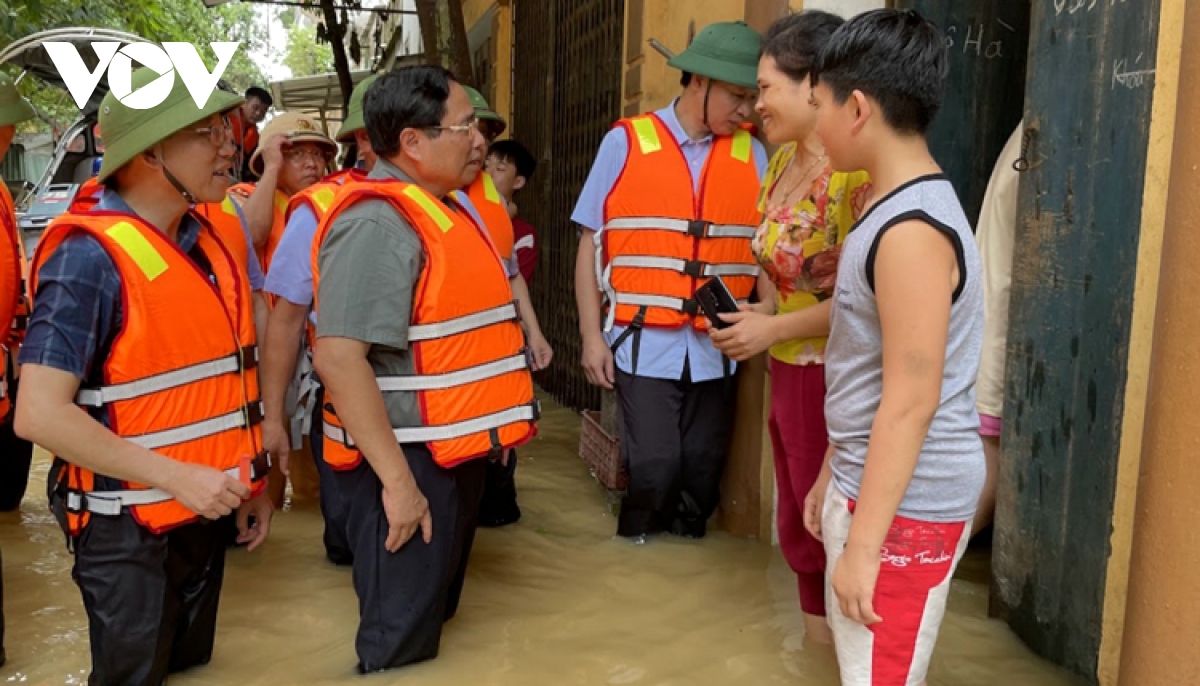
(519, 183)
(862, 108)
(410, 143)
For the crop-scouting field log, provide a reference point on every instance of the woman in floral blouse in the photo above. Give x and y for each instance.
(808, 211)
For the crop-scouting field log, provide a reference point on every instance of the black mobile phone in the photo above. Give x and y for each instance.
(714, 299)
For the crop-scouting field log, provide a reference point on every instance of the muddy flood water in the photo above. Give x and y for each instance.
(554, 600)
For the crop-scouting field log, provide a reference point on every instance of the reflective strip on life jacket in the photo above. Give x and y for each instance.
(457, 378)
(242, 418)
(112, 502)
(98, 397)
(688, 306)
(694, 228)
(445, 432)
(452, 327)
(693, 268)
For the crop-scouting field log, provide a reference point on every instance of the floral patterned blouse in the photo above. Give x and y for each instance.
(798, 246)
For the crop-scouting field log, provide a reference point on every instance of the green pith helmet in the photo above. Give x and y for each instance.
(726, 51)
(13, 108)
(129, 132)
(354, 115)
(483, 111)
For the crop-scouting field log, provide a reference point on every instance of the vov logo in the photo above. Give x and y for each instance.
(168, 60)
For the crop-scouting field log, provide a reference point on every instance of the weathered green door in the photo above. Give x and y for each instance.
(987, 42)
(1087, 115)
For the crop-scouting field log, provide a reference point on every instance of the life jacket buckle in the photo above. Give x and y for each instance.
(691, 307)
(253, 414)
(248, 358)
(694, 268)
(698, 228)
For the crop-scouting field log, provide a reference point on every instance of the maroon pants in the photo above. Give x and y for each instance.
(799, 440)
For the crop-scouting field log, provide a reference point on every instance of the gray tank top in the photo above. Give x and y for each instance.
(950, 471)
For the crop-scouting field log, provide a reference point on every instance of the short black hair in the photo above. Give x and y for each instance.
(512, 151)
(795, 41)
(896, 57)
(685, 79)
(408, 98)
(261, 94)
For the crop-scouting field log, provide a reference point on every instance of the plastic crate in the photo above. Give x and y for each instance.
(601, 452)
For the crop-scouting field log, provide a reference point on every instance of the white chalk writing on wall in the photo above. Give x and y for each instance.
(1131, 75)
(1073, 6)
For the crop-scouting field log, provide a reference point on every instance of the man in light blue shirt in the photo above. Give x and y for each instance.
(669, 377)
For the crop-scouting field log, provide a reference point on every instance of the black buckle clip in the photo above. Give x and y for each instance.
(260, 466)
(253, 413)
(694, 268)
(536, 405)
(248, 358)
(698, 228)
(691, 307)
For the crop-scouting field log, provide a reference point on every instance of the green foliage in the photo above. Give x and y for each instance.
(304, 55)
(155, 20)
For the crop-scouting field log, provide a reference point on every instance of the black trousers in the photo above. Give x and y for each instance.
(15, 456)
(674, 441)
(499, 506)
(406, 596)
(151, 599)
(333, 506)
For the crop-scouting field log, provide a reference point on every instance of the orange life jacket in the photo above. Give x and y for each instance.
(493, 212)
(224, 219)
(12, 289)
(662, 239)
(87, 197)
(180, 378)
(318, 198)
(471, 375)
(278, 222)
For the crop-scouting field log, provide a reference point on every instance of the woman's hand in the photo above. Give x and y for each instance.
(752, 332)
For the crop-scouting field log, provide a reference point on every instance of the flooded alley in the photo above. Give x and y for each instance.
(554, 599)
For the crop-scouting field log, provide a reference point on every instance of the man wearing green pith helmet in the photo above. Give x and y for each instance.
(290, 279)
(671, 202)
(139, 370)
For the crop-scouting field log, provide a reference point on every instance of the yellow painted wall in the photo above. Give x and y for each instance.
(1161, 634)
(668, 21)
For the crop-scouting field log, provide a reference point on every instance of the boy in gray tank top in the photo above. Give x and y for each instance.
(905, 466)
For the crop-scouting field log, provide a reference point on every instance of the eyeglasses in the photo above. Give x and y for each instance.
(218, 135)
(467, 128)
(300, 155)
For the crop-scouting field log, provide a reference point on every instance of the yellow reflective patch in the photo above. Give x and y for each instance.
(489, 189)
(138, 248)
(228, 206)
(741, 145)
(324, 198)
(436, 213)
(647, 135)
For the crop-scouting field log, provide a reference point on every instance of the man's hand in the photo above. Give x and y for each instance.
(272, 151)
(598, 362)
(278, 443)
(208, 492)
(541, 351)
(752, 332)
(261, 509)
(854, 583)
(406, 510)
